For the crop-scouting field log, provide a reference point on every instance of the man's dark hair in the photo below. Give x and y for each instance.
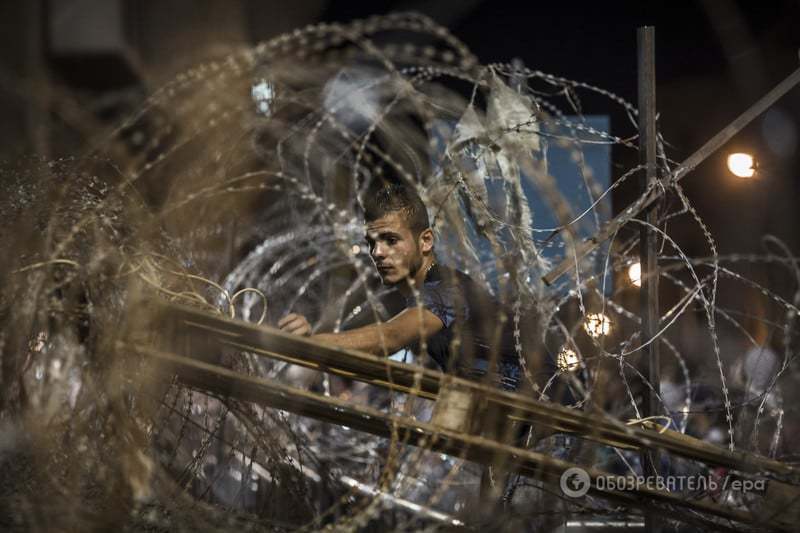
(396, 197)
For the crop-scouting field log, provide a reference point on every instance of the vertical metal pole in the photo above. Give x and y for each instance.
(648, 295)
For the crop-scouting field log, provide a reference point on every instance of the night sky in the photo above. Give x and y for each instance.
(595, 42)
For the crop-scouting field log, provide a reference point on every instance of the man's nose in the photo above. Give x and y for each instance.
(378, 251)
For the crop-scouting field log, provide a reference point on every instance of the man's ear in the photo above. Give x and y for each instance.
(426, 240)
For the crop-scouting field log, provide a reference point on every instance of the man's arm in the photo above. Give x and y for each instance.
(405, 328)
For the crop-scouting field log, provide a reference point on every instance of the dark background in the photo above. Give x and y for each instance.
(714, 58)
(83, 64)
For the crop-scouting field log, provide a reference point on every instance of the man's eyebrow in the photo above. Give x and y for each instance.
(381, 235)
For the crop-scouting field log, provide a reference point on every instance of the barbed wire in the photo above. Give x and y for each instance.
(238, 199)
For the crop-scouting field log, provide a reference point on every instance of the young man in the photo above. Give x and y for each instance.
(462, 327)
(464, 330)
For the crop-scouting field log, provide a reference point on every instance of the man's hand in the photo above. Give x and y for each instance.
(295, 324)
(384, 338)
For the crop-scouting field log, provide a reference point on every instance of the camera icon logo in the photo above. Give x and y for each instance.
(575, 482)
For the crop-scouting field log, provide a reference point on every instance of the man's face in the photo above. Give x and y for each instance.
(394, 248)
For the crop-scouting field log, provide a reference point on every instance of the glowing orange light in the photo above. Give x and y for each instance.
(635, 274)
(742, 165)
(567, 360)
(597, 324)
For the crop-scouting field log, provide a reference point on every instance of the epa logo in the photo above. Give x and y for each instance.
(575, 482)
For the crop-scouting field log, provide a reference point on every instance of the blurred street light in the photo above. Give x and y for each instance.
(567, 360)
(597, 324)
(635, 274)
(742, 165)
(263, 94)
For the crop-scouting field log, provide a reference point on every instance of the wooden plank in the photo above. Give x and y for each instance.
(416, 380)
(407, 430)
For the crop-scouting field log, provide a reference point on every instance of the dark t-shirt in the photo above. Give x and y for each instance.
(477, 340)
